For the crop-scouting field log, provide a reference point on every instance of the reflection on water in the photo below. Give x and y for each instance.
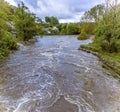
(51, 75)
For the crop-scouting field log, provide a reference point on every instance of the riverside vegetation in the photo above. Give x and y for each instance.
(106, 42)
(19, 24)
(16, 23)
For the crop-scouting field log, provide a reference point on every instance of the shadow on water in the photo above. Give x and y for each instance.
(51, 75)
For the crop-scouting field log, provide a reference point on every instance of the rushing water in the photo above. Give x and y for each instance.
(52, 75)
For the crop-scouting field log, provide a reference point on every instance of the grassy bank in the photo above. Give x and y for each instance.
(110, 61)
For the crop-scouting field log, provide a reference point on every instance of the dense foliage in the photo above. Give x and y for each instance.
(86, 29)
(89, 20)
(69, 28)
(83, 35)
(16, 22)
(108, 30)
(24, 23)
(7, 42)
(72, 29)
(51, 20)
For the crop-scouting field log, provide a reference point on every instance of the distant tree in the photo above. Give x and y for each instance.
(39, 29)
(39, 26)
(54, 20)
(63, 28)
(72, 29)
(51, 20)
(47, 19)
(59, 26)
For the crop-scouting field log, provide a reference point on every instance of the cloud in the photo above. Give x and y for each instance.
(12, 2)
(64, 10)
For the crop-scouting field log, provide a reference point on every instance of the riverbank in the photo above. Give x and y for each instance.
(52, 74)
(110, 61)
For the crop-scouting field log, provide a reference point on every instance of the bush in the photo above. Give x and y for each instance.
(108, 29)
(8, 44)
(89, 27)
(109, 47)
(83, 35)
(72, 29)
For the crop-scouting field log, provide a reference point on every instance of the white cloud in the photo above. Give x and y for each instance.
(12, 2)
(75, 18)
(55, 8)
(64, 10)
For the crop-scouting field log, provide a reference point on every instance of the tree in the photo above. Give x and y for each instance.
(7, 42)
(5, 15)
(83, 35)
(88, 27)
(93, 14)
(64, 28)
(51, 20)
(89, 20)
(107, 32)
(47, 19)
(54, 20)
(25, 22)
(72, 29)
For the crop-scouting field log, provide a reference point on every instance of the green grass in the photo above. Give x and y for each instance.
(95, 48)
(110, 60)
(112, 56)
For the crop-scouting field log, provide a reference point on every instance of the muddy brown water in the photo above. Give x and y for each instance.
(52, 75)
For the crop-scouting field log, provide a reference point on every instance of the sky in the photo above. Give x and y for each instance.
(64, 10)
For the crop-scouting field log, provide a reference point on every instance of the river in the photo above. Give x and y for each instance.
(52, 75)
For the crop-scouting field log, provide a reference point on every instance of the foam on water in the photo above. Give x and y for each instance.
(52, 73)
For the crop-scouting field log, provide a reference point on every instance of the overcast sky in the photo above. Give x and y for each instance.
(64, 10)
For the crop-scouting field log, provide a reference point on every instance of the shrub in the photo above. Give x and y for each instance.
(83, 35)
(109, 47)
(8, 44)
